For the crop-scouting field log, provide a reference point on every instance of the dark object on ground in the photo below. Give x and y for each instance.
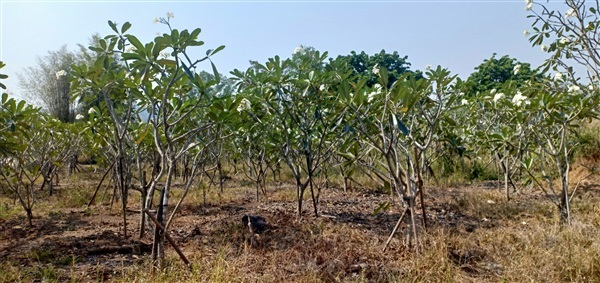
(256, 224)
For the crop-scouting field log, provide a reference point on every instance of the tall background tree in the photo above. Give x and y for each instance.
(362, 65)
(494, 72)
(46, 83)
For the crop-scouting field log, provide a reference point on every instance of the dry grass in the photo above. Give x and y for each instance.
(475, 235)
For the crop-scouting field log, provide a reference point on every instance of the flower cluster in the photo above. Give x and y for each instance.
(528, 5)
(372, 94)
(516, 69)
(564, 40)
(299, 50)
(376, 69)
(162, 20)
(519, 99)
(571, 13)
(498, 96)
(574, 89)
(558, 76)
(244, 105)
(60, 74)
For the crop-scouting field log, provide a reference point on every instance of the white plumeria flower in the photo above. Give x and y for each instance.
(92, 111)
(170, 15)
(525, 33)
(130, 48)
(299, 50)
(544, 47)
(244, 105)
(591, 87)
(60, 74)
(376, 69)
(371, 95)
(493, 91)
(574, 89)
(79, 117)
(155, 20)
(558, 76)
(464, 102)
(516, 69)
(519, 99)
(322, 87)
(377, 87)
(498, 96)
(570, 13)
(564, 40)
(529, 6)
(427, 67)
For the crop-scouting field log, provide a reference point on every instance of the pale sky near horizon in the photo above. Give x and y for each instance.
(457, 35)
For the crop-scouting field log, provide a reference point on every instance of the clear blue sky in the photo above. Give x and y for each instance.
(458, 35)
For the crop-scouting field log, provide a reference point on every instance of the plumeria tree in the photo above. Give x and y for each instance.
(160, 79)
(400, 123)
(557, 111)
(20, 169)
(301, 94)
(570, 35)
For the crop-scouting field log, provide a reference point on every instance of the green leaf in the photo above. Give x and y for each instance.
(131, 56)
(217, 50)
(21, 105)
(167, 62)
(125, 27)
(113, 26)
(403, 128)
(195, 33)
(347, 155)
(215, 72)
(142, 136)
(135, 42)
(187, 71)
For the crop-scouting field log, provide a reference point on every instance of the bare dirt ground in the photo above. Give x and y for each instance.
(70, 242)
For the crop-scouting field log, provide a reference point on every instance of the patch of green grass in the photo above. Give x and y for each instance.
(8, 211)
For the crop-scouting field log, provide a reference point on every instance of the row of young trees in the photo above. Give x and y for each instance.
(149, 108)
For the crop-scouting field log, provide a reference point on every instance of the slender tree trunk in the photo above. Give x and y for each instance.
(144, 193)
(220, 169)
(299, 194)
(314, 200)
(29, 216)
(157, 231)
(163, 214)
(565, 209)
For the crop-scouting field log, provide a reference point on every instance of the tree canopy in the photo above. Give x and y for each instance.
(494, 72)
(362, 65)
